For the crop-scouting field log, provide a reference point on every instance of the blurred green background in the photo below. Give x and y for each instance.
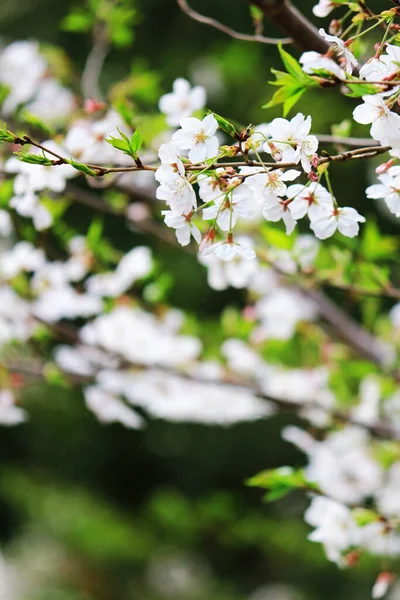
(92, 512)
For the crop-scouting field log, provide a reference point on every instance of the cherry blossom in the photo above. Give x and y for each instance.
(184, 227)
(312, 200)
(323, 8)
(342, 50)
(346, 220)
(313, 62)
(375, 111)
(292, 139)
(228, 209)
(10, 414)
(198, 137)
(388, 190)
(335, 527)
(182, 102)
(109, 409)
(135, 265)
(230, 249)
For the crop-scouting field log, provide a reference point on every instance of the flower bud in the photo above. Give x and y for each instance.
(382, 584)
(384, 167)
(312, 176)
(207, 240)
(315, 161)
(91, 106)
(335, 27)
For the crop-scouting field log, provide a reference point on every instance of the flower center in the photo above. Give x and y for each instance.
(200, 137)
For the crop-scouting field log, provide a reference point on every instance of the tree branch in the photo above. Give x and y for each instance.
(225, 29)
(289, 19)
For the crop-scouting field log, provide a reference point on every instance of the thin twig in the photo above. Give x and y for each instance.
(225, 29)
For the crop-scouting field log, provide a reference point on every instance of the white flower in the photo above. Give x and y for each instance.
(323, 8)
(242, 358)
(229, 250)
(312, 200)
(227, 210)
(16, 322)
(5, 224)
(176, 399)
(140, 337)
(29, 205)
(109, 409)
(238, 273)
(313, 61)
(293, 140)
(184, 227)
(135, 265)
(175, 189)
(9, 413)
(82, 360)
(375, 111)
(85, 140)
(35, 178)
(52, 103)
(367, 410)
(345, 219)
(305, 250)
(171, 163)
(182, 102)
(271, 181)
(388, 497)
(342, 50)
(21, 68)
(388, 190)
(23, 257)
(344, 467)
(275, 209)
(198, 137)
(335, 526)
(281, 311)
(64, 302)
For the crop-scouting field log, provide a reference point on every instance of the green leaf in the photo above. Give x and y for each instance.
(6, 136)
(136, 141)
(78, 21)
(94, 233)
(280, 482)
(362, 89)
(33, 159)
(291, 64)
(82, 168)
(119, 144)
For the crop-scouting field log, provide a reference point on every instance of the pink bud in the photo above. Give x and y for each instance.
(91, 106)
(382, 584)
(249, 313)
(207, 240)
(384, 167)
(335, 27)
(278, 155)
(315, 161)
(312, 176)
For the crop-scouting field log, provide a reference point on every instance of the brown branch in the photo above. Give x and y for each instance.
(225, 29)
(289, 19)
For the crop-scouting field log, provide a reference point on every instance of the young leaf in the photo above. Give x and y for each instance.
(136, 141)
